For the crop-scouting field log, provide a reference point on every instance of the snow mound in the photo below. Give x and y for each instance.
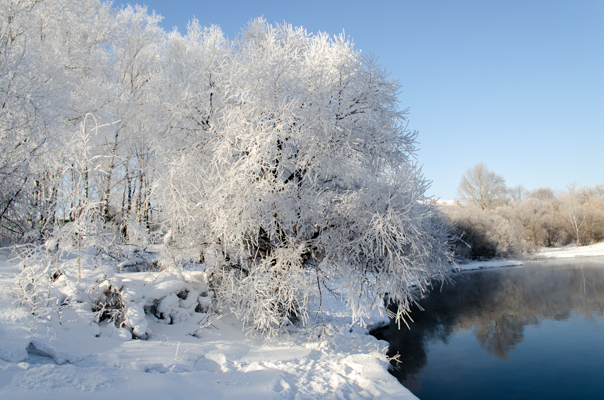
(188, 350)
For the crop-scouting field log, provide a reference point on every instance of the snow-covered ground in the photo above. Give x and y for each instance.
(65, 355)
(472, 265)
(571, 251)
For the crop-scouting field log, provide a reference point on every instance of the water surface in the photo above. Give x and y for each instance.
(533, 332)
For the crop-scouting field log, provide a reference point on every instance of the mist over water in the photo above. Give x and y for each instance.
(531, 332)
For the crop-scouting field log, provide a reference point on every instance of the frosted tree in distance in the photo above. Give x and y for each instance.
(302, 175)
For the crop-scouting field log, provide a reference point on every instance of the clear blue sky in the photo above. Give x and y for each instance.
(516, 84)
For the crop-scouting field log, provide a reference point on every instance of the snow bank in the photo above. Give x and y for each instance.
(570, 251)
(188, 352)
(474, 265)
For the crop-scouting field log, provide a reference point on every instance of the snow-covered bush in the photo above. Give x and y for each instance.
(33, 283)
(110, 305)
(301, 175)
(485, 234)
(51, 284)
(135, 233)
(539, 220)
(86, 230)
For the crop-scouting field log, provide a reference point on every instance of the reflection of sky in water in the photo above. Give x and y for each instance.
(530, 332)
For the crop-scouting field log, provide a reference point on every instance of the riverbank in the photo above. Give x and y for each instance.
(569, 251)
(64, 355)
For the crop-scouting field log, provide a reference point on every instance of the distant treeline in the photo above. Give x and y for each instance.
(514, 221)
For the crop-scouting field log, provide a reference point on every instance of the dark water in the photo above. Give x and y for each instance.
(534, 332)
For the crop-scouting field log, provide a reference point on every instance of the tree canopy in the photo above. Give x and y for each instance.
(482, 187)
(281, 158)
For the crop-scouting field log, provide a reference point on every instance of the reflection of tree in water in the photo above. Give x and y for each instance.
(501, 336)
(496, 306)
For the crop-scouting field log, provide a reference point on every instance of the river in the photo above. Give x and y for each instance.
(530, 332)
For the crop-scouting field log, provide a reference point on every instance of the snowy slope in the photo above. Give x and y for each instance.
(67, 356)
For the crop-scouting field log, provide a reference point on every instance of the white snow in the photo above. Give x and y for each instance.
(188, 353)
(472, 265)
(569, 251)
(65, 355)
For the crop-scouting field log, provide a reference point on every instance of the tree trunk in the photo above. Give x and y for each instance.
(105, 207)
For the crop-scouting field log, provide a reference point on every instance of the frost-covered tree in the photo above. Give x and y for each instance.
(535, 217)
(482, 187)
(53, 60)
(573, 212)
(301, 173)
(543, 194)
(284, 160)
(28, 93)
(581, 213)
(517, 193)
(594, 204)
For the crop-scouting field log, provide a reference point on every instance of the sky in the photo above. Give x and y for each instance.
(518, 85)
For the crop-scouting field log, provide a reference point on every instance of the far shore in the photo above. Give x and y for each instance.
(569, 251)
